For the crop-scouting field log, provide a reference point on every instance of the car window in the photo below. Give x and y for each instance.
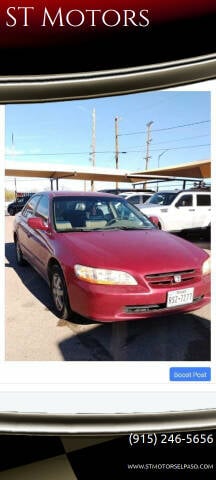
(30, 206)
(134, 199)
(203, 200)
(161, 198)
(90, 213)
(144, 198)
(185, 201)
(42, 209)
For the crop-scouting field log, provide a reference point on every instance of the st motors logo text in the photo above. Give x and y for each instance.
(26, 16)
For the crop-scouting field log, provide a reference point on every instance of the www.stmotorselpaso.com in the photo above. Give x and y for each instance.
(171, 467)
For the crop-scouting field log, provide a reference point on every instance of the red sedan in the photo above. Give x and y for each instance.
(106, 261)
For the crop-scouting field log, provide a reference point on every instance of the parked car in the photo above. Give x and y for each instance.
(18, 204)
(137, 199)
(106, 261)
(6, 207)
(120, 191)
(180, 210)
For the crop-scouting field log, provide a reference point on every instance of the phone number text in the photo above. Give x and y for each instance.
(170, 438)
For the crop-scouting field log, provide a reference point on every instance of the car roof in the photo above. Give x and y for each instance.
(188, 190)
(136, 193)
(69, 193)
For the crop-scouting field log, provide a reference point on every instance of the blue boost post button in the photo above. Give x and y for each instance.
(190, 374)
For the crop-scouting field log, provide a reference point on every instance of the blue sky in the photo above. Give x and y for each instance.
(62, 132)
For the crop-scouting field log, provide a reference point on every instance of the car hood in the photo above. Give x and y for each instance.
(141, 251)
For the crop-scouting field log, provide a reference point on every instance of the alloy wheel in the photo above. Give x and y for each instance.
(58, 291)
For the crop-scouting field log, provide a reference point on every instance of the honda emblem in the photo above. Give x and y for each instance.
(177, 278)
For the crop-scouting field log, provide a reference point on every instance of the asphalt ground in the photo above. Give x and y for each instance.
(34, 333)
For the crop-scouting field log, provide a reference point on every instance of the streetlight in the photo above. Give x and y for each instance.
(148, 141)
(158, 162)
(117, 145)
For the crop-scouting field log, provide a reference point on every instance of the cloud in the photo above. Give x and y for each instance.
(34, 151)
(13, 151)
(83, 109)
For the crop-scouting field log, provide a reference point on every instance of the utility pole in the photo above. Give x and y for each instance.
(116, 146)
(158, 162)
(13, 151)
(148, 141)
(93, 153)
(15, 188)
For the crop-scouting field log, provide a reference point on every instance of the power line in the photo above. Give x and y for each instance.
(174, 140)
(107, 151)
(173, 148)
(59, 153)
(167, 128)
(181, 126)
(103, 152)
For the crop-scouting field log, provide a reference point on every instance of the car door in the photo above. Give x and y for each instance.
(24, 232)
(202, 213)
(39, 241)
(134, 200)
(184, 212)
(139, 200)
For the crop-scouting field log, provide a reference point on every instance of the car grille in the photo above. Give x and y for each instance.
(172, 278)
(151, 308)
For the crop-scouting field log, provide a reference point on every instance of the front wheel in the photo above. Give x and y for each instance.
(59, 293)
(11, 211)
(208, 232)
(19, 256)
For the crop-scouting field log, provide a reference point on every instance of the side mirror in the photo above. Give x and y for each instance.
(37, 224)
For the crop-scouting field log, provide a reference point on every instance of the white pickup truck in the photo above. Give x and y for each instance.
(180, 210)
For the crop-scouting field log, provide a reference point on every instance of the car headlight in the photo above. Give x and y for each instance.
(206, 267)
(103, 276)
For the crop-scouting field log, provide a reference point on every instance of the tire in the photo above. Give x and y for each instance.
(11, 211)
(59, 293)
(19, 256)
(208, 232)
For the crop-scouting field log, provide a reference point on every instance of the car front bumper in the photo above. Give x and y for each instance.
(106, 303)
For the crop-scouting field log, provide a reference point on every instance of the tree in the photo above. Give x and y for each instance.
(9, 195)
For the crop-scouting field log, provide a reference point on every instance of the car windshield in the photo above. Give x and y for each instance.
(161, 198)
(83, 213)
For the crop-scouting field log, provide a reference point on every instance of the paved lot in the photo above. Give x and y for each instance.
(34, 333)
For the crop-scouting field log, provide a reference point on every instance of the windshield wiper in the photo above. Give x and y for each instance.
(86, 229)
(123, 227)
(80, 229)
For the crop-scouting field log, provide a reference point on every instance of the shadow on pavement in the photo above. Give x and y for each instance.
(34, 282)
(171, 338)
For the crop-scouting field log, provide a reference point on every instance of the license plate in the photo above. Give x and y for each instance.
(180, 297)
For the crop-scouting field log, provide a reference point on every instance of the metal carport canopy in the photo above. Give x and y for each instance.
(198, 169)
(64, 171)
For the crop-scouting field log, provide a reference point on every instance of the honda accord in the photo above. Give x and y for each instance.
(106, 261)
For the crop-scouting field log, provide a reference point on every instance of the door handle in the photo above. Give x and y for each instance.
(191, 210)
